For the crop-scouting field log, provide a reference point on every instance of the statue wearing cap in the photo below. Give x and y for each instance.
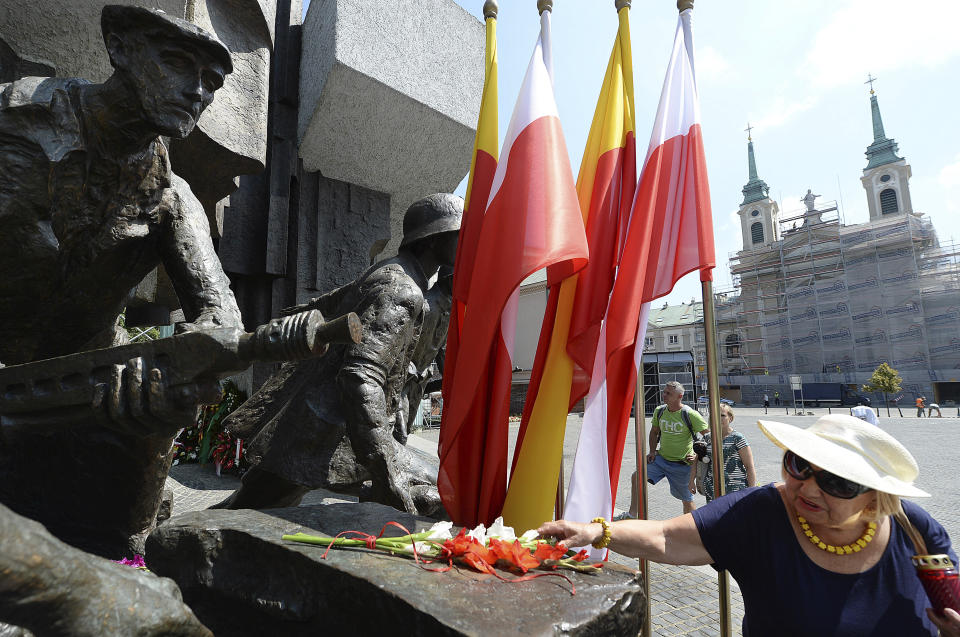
(331, 422)
(88, 207)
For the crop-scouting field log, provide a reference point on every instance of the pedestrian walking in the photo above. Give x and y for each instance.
(673, 428)
(738, 468)
(920, 406)
(766, 401)
(776, 398)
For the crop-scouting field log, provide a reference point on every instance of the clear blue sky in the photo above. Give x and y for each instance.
(795, 70)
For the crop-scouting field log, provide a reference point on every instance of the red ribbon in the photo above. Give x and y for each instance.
(371, 543)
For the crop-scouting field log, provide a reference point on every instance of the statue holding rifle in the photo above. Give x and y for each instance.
(88, 207)
(332, 422)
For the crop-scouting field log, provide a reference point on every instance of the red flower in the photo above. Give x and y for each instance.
(514, 554)
(547, 551)
(458, 545)
(582, 555)
(478, 561)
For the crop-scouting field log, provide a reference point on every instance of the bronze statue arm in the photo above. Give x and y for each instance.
(192, 264)
(54, 589)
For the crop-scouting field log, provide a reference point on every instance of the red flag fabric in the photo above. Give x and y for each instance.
(466, 498)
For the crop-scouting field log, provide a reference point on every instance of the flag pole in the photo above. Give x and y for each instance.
(639, 425)
(716, 432)
(547, 5)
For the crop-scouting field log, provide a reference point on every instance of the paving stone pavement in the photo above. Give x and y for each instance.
(684, 600)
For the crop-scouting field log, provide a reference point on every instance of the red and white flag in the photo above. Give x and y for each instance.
(670, 233)
(532, 221)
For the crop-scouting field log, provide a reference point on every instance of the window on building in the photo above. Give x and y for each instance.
(756, 232)
(674, 339)
(699, 336)
(648, 341)
(888, 201)
(732, 343)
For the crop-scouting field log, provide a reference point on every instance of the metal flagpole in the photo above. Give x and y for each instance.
(639, 428)
(639, 431)
(716, 435)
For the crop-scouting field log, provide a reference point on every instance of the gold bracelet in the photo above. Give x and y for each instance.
(605, 538)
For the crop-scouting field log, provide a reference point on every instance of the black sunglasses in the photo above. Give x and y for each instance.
(829, 483)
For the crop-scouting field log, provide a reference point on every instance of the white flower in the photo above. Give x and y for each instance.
(440, 532)
(479, 533)
(423, 548)
(498, 530)
(529, 536)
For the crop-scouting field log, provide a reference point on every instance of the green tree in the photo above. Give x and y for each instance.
(885, 380)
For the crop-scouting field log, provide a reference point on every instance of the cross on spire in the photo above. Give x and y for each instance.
(749, 130)
(870, 81)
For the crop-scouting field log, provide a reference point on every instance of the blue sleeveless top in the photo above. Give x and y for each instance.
(785, 593)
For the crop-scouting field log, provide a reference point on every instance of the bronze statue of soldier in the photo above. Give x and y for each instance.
(88, 207)
(330, 422)
(421, 373)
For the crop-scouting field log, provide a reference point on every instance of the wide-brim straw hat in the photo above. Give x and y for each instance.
(852, 449)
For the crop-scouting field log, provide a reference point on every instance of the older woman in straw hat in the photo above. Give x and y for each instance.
(825, 552)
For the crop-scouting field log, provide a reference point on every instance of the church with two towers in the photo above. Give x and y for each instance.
(816, 298)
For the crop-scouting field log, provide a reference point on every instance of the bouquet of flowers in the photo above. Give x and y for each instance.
(481, 549)
(205, 440)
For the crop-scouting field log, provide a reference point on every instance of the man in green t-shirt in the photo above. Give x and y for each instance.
(669, 430)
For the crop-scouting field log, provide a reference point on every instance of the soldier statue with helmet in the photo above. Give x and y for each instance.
(330, 422)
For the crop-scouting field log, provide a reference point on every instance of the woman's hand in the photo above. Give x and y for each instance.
(572, 533)
(693, 486)
(948, 622)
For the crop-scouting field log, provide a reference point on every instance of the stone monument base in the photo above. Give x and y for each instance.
(241, 579)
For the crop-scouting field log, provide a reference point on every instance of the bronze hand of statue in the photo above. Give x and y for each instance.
(137, 400)
(210, 318)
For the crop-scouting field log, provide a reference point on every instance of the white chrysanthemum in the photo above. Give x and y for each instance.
(440, 531)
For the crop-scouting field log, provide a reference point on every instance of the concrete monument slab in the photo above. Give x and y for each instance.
(389, 95)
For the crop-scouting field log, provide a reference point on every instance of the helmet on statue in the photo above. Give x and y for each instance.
(432, 215)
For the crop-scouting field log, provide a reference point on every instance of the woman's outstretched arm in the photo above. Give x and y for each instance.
(673, 541)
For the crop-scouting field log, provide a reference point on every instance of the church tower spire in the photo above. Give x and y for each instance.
(756, 188)
(883, 150)
(886, 177)
(758, 212)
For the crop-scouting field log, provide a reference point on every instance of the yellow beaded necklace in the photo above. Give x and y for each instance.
(846, 549)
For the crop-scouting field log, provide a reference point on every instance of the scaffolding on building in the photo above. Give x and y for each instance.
(831, 302)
